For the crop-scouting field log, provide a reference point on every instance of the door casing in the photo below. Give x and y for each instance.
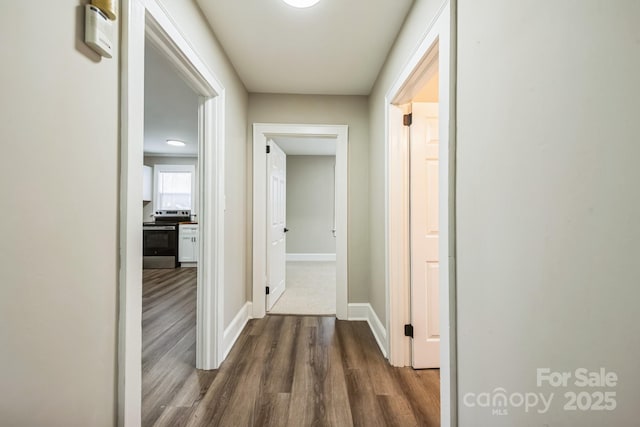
(146, 20)
(261, 133)
(438, 40)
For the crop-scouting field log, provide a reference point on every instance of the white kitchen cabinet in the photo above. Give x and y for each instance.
(188, 247)
(147, 179)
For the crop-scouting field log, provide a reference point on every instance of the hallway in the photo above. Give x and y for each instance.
(283, 370)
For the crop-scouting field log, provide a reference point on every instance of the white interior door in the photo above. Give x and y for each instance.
(425, 262)
(276, 222)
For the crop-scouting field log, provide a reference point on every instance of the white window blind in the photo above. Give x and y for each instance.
(174, 187)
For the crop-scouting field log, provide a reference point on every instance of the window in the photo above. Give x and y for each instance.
(175, 187)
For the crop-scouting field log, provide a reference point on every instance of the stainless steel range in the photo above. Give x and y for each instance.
(160, 239)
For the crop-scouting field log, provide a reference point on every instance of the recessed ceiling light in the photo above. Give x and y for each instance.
(301, 3)
(175, 143)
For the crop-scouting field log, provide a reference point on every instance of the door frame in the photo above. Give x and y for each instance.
(262, 132)
(440, 38)
(146, 20)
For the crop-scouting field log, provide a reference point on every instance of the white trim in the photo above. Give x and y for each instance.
(210, 310)
(397, 231)
(130, 274)
(438, 34)
(188, 265)
(311, 257)
(260, 134)
(364, 311)
(235, 328)
(146, 18)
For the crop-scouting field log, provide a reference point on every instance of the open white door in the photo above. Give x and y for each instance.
(425, 263)
(276, 221)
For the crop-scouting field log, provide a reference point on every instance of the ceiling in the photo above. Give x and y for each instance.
(170, 108)
(306, 146)
(336, 47)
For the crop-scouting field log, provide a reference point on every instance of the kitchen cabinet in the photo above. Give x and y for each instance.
(188, 246)
(147, 179)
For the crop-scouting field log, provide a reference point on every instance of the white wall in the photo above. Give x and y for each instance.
(60, 174)
(548, 201)
(59, 196)
(415, 26)
(324, 109)
(547, 204)
(196, 30)
(311, 204)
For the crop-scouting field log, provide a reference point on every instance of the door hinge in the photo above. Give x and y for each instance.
(268, 149)
(408, 331)
(407, 119)
(267, 290)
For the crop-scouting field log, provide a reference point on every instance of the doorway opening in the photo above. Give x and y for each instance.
(314, 264)
(420, 212)
(170, 232)
(146, 23)
(309, 223)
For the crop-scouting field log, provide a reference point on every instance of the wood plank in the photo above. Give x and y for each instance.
(421, 390)
(335, 386)
(272, 409)
(302, 408)
(365, 410)
(283, 370)
(396, 412)
(168, 340)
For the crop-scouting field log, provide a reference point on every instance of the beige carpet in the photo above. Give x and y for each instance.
(310, 289)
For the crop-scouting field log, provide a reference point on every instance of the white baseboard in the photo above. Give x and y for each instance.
(232, 332)
(189, 264)
(311, 257)
(364, 311)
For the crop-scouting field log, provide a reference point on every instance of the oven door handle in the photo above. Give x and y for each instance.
(159, 228)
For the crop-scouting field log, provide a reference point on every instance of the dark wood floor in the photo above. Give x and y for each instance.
(283, 371)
